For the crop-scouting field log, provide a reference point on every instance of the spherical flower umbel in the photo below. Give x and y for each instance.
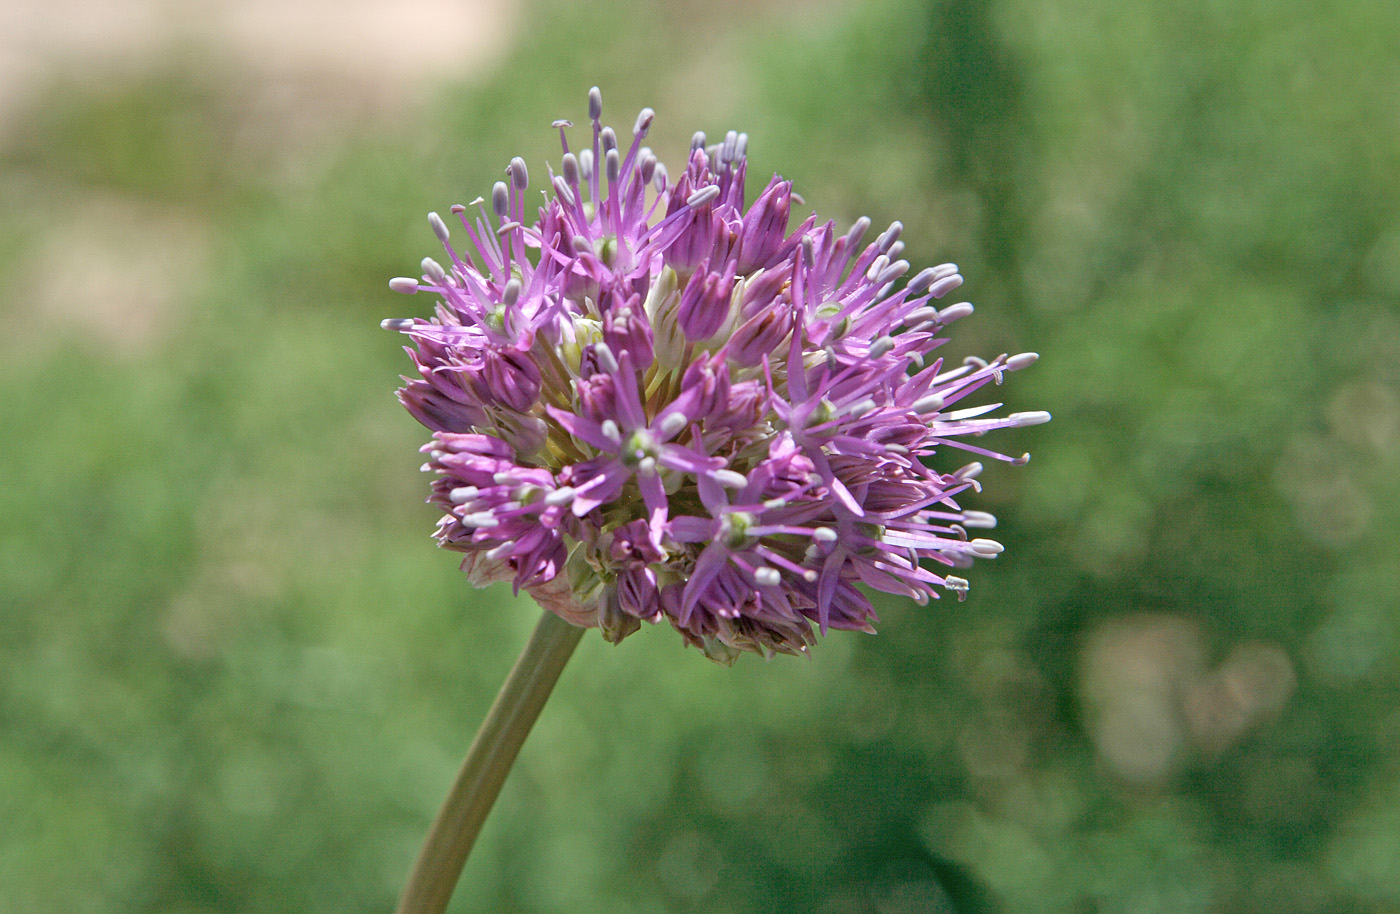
(652, 402)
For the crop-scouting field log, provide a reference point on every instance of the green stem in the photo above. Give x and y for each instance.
(488, 762)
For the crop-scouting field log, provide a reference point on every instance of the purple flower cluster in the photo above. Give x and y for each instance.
(652, 402)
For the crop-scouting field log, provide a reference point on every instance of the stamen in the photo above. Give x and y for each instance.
(439, 228)
(404, 285)
(434, 271)
(605, 357)
(500, 199)
(929, 404)
(971, 471)
(560, 497)
(987, 549)
(731, 479)
(979, 520)
(892, 272)
(562, 191)
(519, 174)
(702, 196)
(919, 285)
(954, 312)
(672, 425)
(888, 237)
(857, 232)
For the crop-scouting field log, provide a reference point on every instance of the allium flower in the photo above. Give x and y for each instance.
(649, 401)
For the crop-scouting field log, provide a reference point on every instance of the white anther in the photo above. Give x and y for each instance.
(397, 323)
(439, 227)
(889, 236)
(987, 549)
(404, 285)
(605, 356)
(881, 346)
(767, 577)
(519, 174)
(702, 196)
(1021, 420)
(945, 285)
(610, 431)
(562, 191)
(559, 497)
(824, 535)
(672, 425)
(462, 494)
(971, 471)
(434, 271)
(1022, 360)
(930, 404)
(730, 479)
(979, 520)
(955, 312)
(892, 272)
(921, 282)
(481, 520)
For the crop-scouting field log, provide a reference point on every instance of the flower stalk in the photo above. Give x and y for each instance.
(488, 761)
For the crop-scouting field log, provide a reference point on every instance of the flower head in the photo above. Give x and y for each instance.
(650, 402)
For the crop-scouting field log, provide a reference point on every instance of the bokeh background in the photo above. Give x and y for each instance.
(235, 675)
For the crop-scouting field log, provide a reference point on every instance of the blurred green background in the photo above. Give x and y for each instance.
(235, 675)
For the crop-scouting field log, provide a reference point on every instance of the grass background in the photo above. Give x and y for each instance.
(236, 676)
